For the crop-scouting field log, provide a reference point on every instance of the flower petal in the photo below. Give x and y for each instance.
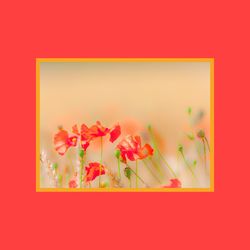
(75, 130)
(115, 132)
(175, 183)
(145, 151)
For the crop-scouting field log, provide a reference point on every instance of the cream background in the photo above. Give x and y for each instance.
(156, 93)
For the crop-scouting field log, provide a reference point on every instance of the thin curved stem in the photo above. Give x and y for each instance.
(190, 169)
(159, 153)
(205, 158)
(168, 166)
(80, 177)
(136, 175)
(119, 168)
(151, 171)
(156, 166)
(136, 170)
(207, 144)
(100, 163)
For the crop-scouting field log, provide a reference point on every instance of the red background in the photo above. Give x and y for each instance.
(31, 29)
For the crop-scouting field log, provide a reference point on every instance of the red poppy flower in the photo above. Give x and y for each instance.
(63, 141)
(131, 148)
(84, 135)
(72, 183)
(175, 183)
(97, 130)
(93, 170)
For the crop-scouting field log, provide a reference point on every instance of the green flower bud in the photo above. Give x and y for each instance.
(195, 163)
(127, 172)
(55, 166)
(149, 127)
(180, 148)
(104, 184)
(190, 136)
(189, 110)
(201, 134)
(117, 154)
(81, 153)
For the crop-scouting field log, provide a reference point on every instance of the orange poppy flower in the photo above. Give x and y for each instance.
(93, 170)
(88, 134)
(175, 183)
(131, 149)
(63, 141)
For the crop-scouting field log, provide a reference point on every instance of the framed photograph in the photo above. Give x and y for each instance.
(125, 124)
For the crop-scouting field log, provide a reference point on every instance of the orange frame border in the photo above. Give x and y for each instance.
(40, 60)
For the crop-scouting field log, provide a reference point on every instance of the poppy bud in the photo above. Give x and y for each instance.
(81, 153)
(104, 184)
(55, 166)
(117, 154)
(190, 136)
(189, 110)
(201, 134)
(194, 163)
(180, 148)
(127, 172)
(149, 127)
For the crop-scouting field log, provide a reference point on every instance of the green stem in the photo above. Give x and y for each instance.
(190, 169)
(136, 170)
(153, 140)
(207, 144)
(159, 153)
(81, 170)
(119, 168)
(204, 147)
(100, 164)
(136, 175)
(151, 171)
(168, 166)
(156, 166)
(80, 177)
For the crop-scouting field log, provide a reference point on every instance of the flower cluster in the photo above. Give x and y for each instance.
(130, 148)
(85, 135)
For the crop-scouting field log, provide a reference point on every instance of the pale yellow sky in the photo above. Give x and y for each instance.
(146, 92)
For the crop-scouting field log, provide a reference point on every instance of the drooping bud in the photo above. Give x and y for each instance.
(201, 134)
(189, 110)
(127, 172)
(180, 148)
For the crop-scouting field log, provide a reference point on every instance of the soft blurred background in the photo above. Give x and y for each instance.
(135, 95)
